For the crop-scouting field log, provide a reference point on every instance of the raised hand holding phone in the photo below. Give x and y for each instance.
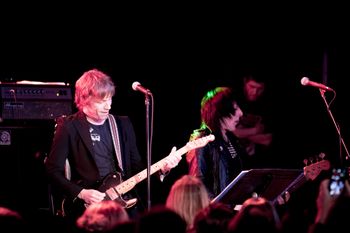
(337, 181)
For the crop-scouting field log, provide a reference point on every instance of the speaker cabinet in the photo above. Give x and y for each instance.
(23, 148)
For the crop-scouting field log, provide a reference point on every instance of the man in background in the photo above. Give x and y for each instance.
(254, 129)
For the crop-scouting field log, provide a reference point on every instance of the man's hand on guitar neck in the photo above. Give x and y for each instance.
(91, 196)
(171, 161)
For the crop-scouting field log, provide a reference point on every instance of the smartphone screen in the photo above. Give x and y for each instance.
(337, 181)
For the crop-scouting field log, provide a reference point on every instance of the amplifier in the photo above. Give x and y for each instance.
(35, 101)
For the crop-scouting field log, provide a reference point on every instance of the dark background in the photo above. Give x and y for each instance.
(179, 56)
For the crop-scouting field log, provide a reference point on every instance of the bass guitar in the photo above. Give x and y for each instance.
(115, 188)
(310, 172)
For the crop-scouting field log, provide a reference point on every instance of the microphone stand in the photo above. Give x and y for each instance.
(149, 143)
(341, 141)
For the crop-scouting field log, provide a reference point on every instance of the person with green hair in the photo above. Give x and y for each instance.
(221, 160)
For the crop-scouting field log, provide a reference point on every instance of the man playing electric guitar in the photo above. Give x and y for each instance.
(95, 144)
(116, 189)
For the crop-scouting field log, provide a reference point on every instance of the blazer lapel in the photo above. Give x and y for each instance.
(82, 127)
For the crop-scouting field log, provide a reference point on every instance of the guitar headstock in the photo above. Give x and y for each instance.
(200, 142)
(311, 171)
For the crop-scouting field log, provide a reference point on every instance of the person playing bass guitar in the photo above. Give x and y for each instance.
(92, 144)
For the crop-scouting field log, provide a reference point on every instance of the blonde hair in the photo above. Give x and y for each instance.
(92, 83)
(187, 196)
(102, 216)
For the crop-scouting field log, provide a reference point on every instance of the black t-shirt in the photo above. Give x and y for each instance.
(103, 146)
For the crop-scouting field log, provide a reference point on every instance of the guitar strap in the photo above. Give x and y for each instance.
(115, 138)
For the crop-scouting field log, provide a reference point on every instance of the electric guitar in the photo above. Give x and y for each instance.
(115, 187)
(310, 172)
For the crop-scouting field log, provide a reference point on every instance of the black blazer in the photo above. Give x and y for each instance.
(72, 141)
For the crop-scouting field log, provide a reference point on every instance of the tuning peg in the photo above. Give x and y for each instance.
(305, 161)
(322, 155)
(311, 159)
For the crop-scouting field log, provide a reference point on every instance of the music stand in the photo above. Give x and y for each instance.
(267, 183)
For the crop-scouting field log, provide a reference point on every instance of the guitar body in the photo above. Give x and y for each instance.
(108, 185)
(75, 208)
(72, 209)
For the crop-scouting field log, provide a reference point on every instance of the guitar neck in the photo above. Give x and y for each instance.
(130, 183)
(296, 184)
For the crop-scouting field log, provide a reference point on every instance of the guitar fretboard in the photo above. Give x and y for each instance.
(126, 186)
(130, 183)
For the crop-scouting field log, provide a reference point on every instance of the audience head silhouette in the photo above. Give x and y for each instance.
(256, 214)
(160, 219)
(102, 216)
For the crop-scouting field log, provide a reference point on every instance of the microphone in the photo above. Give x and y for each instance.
(136, 86)
(306, 82)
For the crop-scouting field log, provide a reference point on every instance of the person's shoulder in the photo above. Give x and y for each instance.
(67, 119)
(122, 119)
